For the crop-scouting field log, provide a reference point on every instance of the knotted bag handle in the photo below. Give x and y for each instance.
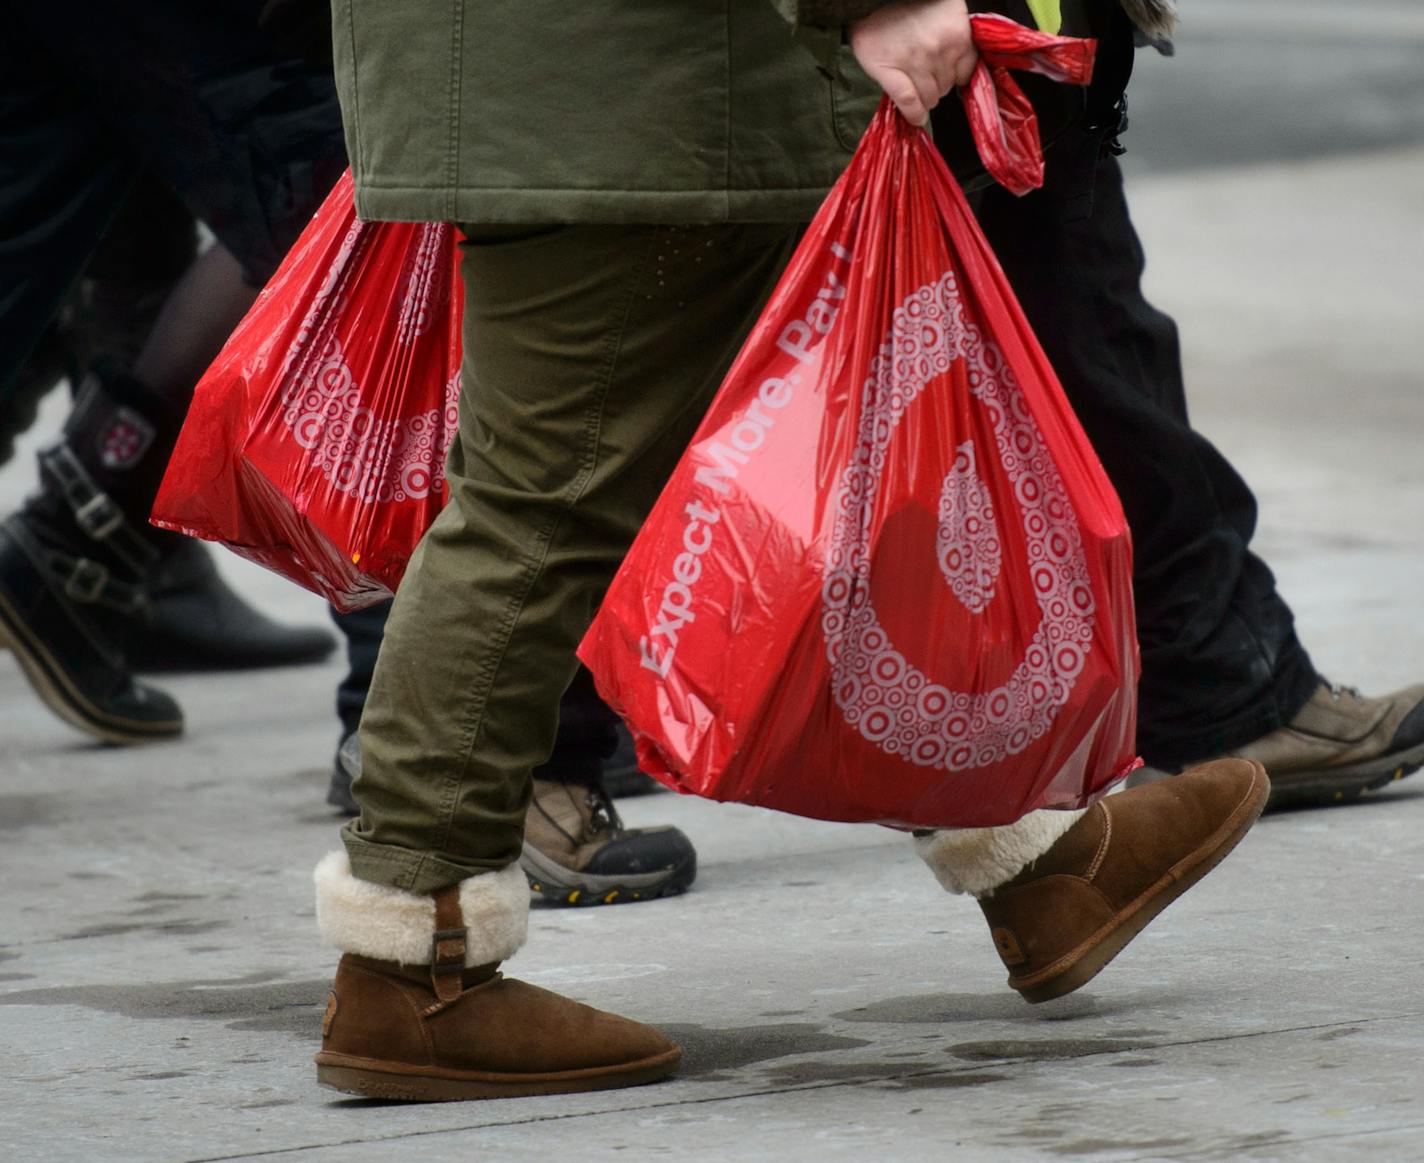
(1001, 118)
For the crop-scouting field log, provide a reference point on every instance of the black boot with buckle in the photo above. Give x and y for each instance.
(74, 563)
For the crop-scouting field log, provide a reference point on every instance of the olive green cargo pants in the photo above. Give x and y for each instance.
(591, 354)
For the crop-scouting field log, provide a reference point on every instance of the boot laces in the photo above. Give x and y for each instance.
(602, 815)
(1339, 690)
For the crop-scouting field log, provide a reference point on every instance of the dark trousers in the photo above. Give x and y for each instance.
(92, 92)
(1221, 664)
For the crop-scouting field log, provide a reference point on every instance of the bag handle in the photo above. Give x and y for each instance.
(1001, 118)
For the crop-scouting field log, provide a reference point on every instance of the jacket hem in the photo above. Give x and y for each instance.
(646, 207)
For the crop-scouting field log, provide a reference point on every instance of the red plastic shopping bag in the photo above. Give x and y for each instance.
(889, 580)
(315, 444)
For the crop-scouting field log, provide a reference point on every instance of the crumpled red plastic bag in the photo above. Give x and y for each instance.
(315, 444)
(889, 580)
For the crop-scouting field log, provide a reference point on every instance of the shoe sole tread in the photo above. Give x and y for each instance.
(565, 886)
(373, 1078)
(1326, 785)
(58, 692)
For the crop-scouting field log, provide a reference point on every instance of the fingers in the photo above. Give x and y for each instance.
(964, 67)
(916, 52)
(913, 102)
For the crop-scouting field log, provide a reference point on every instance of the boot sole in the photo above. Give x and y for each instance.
(1080, 966)
(564, 886)
(1335, 785)
(372, 1078)
(1325, 785)
(61, 696)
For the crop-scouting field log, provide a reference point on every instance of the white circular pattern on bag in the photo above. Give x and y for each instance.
(422, 296)
(967, 541)
(392, 460)
(888, 700)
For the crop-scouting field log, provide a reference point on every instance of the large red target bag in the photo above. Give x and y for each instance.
(315, 444)
(889, 580)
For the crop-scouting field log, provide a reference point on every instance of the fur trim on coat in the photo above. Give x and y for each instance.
(978, 860)
(1157, 18)
(390, 924)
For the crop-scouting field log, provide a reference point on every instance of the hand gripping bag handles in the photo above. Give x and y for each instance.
(889, 580)
(315, 444)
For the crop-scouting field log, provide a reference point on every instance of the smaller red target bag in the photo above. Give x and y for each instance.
(315, 444)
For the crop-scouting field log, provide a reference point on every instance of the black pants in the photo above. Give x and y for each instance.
(91, 92)
(1221, 664)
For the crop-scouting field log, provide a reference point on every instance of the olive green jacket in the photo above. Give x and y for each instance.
(659, 111)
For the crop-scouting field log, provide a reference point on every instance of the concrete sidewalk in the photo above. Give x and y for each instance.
(162, 983)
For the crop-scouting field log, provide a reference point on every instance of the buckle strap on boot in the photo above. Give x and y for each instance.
(95, 512)
(447, 952)
(93, 584)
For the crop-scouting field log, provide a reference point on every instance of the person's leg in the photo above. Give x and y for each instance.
(69, 565)
(61, 180)
(577, 406)
(250, 143)
(1222, 669)
(89, 591)
(1221, 664)
(576, 849)
(591, 354)
(197, 622)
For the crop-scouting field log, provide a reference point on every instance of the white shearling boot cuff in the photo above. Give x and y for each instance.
(978, 860)
(390, 924)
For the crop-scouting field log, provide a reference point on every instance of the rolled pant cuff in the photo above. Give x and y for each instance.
(405, 868)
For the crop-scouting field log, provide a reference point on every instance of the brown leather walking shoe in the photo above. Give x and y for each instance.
(388, 1033)
(1339, 746)
(1342, 744)
(1070, 912)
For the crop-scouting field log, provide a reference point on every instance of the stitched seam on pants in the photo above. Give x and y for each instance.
(452, 138)
(538, 558)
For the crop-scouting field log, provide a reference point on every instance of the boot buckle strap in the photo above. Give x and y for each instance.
(91, 583)
(99, 517)
(95, 512)
(447, 964)
(86, 581)
(447, 952)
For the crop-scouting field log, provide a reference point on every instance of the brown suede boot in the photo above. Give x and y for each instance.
(389, 1033)
(1070, 912)
(442, 1029)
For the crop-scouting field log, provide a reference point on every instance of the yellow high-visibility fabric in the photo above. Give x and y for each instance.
(1048, 13)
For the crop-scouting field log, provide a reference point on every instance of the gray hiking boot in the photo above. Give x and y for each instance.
(577, 852)
(1340, 745)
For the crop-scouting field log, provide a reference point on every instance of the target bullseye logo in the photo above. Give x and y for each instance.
(887, 699)
(401, 459)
